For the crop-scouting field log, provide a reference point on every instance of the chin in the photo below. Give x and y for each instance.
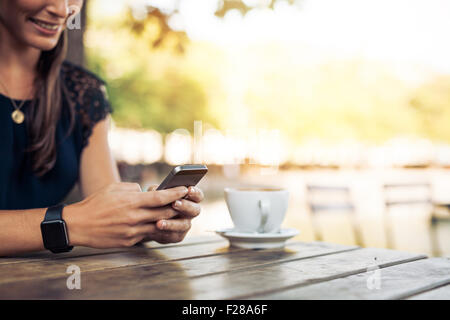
(43, 44)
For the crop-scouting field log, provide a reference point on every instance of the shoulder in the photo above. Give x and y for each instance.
(75, 75)
(82, 85)
(84, 89)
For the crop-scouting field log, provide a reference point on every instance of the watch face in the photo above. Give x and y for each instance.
(54, 234)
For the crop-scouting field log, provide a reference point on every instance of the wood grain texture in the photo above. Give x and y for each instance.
(132, 282)
(206, 268)
(85, 251)
(441, 293)
(246, 283)
(395, 282)
(56, 268)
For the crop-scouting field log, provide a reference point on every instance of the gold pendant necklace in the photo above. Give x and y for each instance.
(17, 116)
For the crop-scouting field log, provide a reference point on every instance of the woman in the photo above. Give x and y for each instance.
(54, 120)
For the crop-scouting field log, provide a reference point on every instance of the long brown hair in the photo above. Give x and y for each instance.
(46, 108)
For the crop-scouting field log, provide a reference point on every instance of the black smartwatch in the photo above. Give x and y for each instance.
(54, 230)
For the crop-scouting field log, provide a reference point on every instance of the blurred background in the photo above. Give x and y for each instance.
(344, 103)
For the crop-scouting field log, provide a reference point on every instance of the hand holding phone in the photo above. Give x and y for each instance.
(187, 176)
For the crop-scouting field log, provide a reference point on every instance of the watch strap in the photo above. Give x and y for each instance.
(54, 213)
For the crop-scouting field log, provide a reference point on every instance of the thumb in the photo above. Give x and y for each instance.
(152, 187)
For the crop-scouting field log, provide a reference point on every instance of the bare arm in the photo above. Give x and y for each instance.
(118, 215)
(98, 167)
(20, 231)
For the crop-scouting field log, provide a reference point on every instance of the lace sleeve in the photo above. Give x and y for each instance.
(87, 93)
(93, 107)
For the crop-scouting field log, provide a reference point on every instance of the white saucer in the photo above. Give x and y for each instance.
(257, 240)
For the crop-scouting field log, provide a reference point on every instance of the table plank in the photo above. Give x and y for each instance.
(85, 251)
(441, 293)
(56, 268)
(396, 282)
(99, 284)
(243, 284)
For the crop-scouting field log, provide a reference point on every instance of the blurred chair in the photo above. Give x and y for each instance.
(334, 199)
(393, 197)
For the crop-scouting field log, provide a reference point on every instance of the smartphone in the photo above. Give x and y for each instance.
(185, 175)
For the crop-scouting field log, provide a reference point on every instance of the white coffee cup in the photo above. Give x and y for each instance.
(259, 210)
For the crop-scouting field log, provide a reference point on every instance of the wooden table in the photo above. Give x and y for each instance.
(206, 268)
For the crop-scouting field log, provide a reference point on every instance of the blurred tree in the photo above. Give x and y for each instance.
(431, 102)
(143, 14)
(142, 98)
(246, 6)
(164, 104)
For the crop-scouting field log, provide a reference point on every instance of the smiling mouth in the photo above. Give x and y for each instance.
(45, 25)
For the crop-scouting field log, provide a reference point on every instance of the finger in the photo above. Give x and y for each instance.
(125, 186)
(158, 198)
(152, 187)
(140, 216)
(163, 237)
(187, 208)
(195, 194)
(169, 236)
(175, 225)
(144, 229)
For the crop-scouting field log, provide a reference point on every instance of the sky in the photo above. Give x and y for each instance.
(399, 31)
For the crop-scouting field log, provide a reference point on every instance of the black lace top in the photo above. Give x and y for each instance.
(19, 187)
